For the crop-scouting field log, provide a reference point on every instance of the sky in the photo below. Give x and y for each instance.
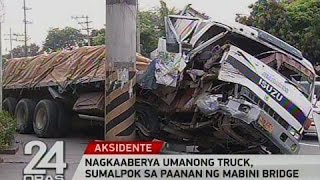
(46, 14)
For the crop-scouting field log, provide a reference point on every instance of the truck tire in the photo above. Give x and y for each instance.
(9, 104)
(24, 115)
(64, 120)
(45, 123)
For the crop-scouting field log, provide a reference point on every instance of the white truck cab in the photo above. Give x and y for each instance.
(248, 88)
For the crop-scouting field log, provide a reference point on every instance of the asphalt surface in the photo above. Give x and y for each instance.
(310, 145)
(75, 145)
(13, 165)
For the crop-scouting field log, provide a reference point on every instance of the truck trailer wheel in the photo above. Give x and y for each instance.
(9, 104)
(45, 123)
(24, 115)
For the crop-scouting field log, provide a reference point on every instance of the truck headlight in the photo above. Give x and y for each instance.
(294, 133)
(297, 136)
(294, 147)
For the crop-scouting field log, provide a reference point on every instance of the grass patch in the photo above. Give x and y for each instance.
(7, 129)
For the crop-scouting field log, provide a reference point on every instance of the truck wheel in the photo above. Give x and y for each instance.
(24, 115)
(9, 104)
(45, 119)
(64, 120)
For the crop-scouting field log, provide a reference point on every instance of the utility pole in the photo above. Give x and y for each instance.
(84, 22)
(120, 69)
(11, 39)
(26, 22)
(138, 29)
(1, 60)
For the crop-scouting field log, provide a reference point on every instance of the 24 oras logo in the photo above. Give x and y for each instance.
(44, 160)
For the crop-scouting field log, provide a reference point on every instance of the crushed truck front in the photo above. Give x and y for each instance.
(244, 84)
(268, 81)
(284, 109)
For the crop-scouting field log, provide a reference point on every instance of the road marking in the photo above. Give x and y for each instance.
(313, 145)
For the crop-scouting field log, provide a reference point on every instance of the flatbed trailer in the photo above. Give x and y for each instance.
(43, 92)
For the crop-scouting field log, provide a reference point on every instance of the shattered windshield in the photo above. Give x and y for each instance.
(317, 90)
(308, 85)
(305, 87)
(292, 70)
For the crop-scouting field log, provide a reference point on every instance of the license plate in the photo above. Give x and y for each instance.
(265, 124)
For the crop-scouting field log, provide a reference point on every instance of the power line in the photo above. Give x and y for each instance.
(26, 22)
(13, 37)
(84, 22)
(10, 39)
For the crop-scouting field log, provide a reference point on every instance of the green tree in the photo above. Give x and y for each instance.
(58, 39)
(304, 17)
(152, 26)
(98, 37)
(19, 51)
(295, 21)
(8, 127)
(150, 32)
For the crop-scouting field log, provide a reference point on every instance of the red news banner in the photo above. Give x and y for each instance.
(143, 160)
(118, 148)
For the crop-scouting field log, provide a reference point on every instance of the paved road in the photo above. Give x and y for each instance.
(310, 145)
(11, 169)
(75, 145)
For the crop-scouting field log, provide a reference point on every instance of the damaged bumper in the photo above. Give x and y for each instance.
(251, 114)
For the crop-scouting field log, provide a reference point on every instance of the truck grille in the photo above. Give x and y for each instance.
(256, 100)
